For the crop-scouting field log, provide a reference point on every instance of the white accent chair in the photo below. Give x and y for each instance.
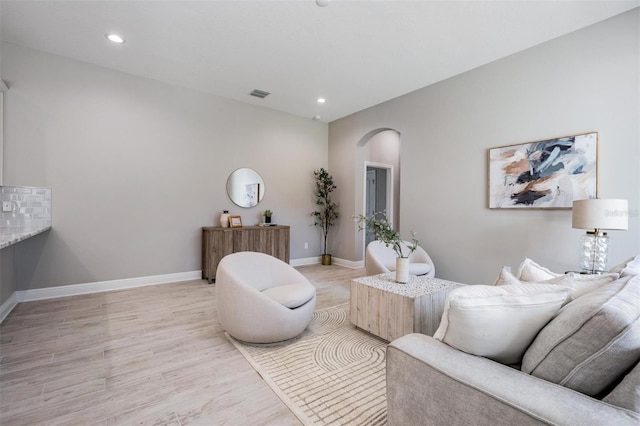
(262, 299)
(380, 259)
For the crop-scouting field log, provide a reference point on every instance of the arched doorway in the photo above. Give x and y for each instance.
(378, 158)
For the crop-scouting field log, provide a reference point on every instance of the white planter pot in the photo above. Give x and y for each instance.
(402, 270)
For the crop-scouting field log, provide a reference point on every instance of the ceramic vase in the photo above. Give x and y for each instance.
(402, 270)
(224, 219)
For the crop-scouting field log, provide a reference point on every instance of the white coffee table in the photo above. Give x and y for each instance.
(390, 310)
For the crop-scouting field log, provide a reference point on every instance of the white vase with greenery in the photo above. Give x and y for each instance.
(378, 224)
(402, 270)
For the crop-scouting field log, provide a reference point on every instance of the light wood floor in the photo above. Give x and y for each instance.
(152, 355)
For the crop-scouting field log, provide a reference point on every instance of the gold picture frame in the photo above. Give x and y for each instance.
(235, 221)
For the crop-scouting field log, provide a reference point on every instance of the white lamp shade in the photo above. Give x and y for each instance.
(601, 214)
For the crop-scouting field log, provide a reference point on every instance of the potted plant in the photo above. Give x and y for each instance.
(383, 231)
(326, 211)
(267, 216)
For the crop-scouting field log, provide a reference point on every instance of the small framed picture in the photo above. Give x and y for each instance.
(235, 221)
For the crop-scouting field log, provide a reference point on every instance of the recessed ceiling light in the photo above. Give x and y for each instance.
(321, 100)
(114, 38)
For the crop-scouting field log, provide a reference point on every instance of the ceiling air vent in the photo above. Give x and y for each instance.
(259, 93)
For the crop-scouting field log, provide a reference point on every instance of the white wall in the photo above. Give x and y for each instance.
(137, 167)
(585, 81)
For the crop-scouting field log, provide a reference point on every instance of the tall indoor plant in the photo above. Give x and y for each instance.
(378, 224)
(326, 211)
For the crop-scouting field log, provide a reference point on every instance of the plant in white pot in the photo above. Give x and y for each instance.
(378, 224)
(327, 211)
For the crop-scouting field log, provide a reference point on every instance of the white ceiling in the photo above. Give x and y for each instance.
(356, 54)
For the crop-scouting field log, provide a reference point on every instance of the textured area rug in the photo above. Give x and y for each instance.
(332, 374)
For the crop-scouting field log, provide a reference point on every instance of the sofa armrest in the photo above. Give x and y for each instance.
(431, 383)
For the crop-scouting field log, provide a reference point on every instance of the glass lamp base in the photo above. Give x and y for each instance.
(594, 249)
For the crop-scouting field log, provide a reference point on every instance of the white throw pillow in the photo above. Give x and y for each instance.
(532, 272)
(498, 322)
(506, 277)
(629, 267)
(579, 284)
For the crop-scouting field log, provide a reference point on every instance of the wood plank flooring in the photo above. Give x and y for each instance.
(151, 355)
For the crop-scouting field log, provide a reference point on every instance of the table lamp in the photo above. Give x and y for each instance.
(595, 215)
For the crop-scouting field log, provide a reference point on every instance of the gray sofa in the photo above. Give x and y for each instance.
(581, 369)
(431, 383)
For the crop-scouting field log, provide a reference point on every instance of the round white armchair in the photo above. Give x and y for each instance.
(380, 259)
(262, 299)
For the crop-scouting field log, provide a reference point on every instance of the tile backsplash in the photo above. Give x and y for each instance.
(29, 206)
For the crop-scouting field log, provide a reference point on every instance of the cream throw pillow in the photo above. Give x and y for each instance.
(580, 284)
(498, 322)
(532, 272)
(506, 277)
(629, 267)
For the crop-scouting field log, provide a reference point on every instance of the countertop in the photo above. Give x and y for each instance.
(10, 236)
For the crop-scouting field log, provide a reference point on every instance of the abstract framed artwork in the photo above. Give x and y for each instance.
(546, 174)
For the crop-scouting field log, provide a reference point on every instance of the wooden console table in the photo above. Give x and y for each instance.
(390, 310)
(217, 242)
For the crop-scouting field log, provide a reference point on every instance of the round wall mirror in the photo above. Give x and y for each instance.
(245, 187)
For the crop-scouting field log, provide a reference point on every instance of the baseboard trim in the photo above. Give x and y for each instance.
(123, 284)
(304, 261)
(334, 260)
(348, 263)
(8, 306)
(102, 286)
